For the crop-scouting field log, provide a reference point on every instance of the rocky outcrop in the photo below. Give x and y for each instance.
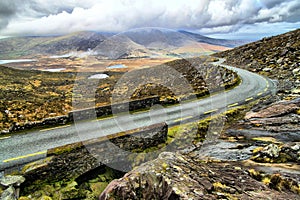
(174, 176)
(282, 116)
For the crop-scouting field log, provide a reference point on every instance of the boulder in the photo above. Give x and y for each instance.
(9, 194)
(280, 60)
(267, 69)
(289, 152)
(296, 71)
(274, 110)
(12, 180)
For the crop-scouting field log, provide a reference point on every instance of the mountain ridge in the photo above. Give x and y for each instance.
(144, 40)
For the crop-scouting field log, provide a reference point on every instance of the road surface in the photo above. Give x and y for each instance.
(32, 145)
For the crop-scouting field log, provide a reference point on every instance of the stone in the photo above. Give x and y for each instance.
(296, 71)
(279, 61)
(296, 91)
(12, 180)
(9, 194)
(274, 110)
(291, 152)
(271, 151)
(267, 69)
(176, 176)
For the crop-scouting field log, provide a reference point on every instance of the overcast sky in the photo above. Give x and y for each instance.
(250, 19)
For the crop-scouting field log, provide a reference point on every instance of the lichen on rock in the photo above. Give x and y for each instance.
(176, 176)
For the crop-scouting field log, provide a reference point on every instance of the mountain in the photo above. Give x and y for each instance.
(277, 57)
(147, 42)
(213, 41)
(120, 46)
(31, 46)
(153, 38)
(81, 41)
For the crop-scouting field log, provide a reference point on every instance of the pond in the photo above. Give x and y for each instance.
(119, 66)
(16, 61)
(98, 76)
(54, 70)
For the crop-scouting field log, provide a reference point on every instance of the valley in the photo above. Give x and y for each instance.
(220, 120)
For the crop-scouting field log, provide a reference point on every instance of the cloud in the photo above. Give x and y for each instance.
(250, 32)
(39, 17)
(8, 10)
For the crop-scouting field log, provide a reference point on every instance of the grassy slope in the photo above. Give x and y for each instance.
(28, 96)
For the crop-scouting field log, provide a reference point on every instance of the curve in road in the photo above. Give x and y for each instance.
(32, 145)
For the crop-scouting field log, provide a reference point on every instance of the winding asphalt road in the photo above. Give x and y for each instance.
(31, 145)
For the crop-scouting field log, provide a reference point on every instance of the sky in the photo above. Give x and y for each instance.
(233, 19)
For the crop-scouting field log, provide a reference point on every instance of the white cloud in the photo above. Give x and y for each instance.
(250, 32)
(57, 17)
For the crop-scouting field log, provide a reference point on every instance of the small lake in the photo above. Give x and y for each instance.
(54, 70)
(16, 61)
(119, 66)
(99, 76)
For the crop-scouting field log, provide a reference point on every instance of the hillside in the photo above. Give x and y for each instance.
(28, 96)
(161, 38)
(12, 48)
(137, 43)
(120, 46)
(277, 57)
(213, 41)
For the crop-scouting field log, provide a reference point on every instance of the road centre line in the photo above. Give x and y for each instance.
(25, 156)
(3, 138)
(181, 119)
(211, 111)
(232, 105)
(49, 129)
(249, 99)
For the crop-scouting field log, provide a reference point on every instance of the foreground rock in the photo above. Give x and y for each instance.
(279, 120)
(174, 176)
(289, 152)
(12, 184)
